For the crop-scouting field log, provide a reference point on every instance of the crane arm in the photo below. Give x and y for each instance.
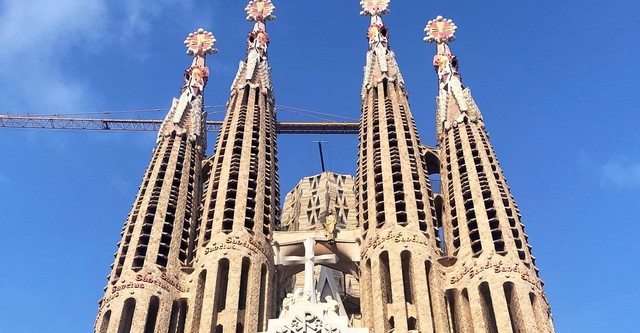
(154, 125)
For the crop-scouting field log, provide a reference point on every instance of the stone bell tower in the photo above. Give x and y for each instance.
(241, 200)
(146, 288)
(492, 280)
(399, 278)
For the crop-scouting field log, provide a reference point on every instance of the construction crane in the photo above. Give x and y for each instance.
(54, 122)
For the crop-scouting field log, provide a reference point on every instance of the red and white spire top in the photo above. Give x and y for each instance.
(377, 34)
(260, 11)
(185, 115)
(199, 44)
(442, 31)
(374, 7)
(381, 63)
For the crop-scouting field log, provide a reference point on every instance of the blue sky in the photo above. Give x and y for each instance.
(555, 80)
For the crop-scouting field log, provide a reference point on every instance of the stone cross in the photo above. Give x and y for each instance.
(310, 260)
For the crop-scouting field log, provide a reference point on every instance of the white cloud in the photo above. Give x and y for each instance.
(35, 35)
(40, 38)
(621, 173)
(37, 25)
(122, 186)
(140, 15)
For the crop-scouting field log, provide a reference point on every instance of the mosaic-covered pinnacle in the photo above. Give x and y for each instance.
(200, 43)
(260, 10)
(440, 31)
(374, 7)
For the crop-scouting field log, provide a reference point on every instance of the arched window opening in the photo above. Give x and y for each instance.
(222, 281)
(127, 316)
(182, 319)
(487, 308)
(244, 276)
(412, 323)
(152, 315)
(385, 278)
(202, 280)
(261, 306)
(105, 322)
(427, 269)
(407, 275)
(450, 300)
(513, 307)
(173, 323)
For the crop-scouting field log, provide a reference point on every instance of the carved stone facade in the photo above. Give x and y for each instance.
(305, 317)
(316, 200)
(325, 203)
(205, 248)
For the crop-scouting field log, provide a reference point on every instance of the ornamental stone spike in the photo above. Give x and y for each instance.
(380, 60)
(377, 33)
(260, 11)
(374, 7)
(200, 43)
(440, 31)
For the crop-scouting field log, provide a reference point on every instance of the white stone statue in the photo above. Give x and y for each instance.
(331, 306)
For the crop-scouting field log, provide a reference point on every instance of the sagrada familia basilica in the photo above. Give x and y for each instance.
(207, 246)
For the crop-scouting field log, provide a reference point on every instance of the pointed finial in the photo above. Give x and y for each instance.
(374, 7)
(260, 10)
(440, 31)
(200, 43)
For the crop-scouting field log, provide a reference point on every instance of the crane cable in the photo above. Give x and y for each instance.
(212, 109)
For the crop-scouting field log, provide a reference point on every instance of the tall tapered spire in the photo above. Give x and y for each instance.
(481, 221)
(199, 44)
(381, 62)
(255, 70)
(241, 200)
(157, 247)
(395, 203)
(441, 31)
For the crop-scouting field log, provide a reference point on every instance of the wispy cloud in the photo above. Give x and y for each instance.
(35, 36)
(139, 14)
(3, 179)
(40, 38)
(122, 186)
(622, 173)
(139, 17)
